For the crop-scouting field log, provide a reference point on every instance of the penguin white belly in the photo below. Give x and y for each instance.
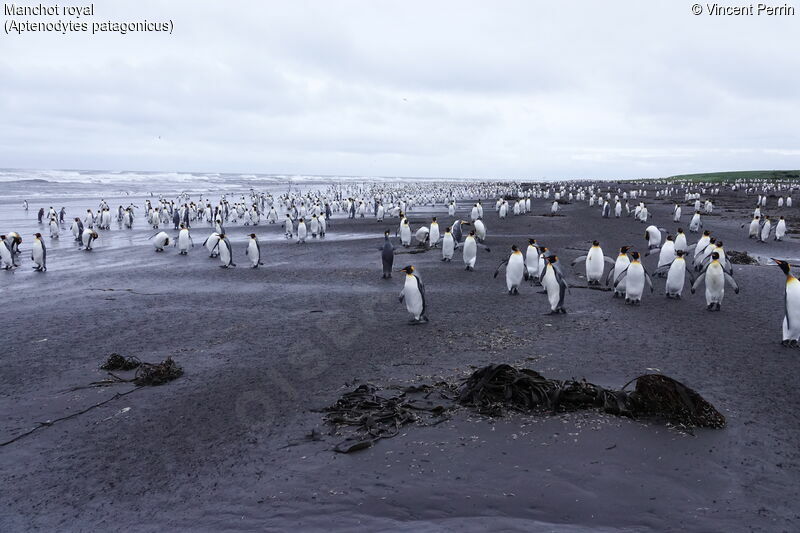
(792, 316)
(37, 254)
(302, 231)
(715, 284)
(412, 297)
(405, 235)
(550, 284)
(532, 261)
(224, 254)
(676, 277)
(470, 252)
(680, 242)
(514, 271)
(667, 254)
(480, 230)
(5, 256)
(448, 246)
(434, 235)
(594, 264)
(183, 241)
(619, 267)
(252, 253)
(634, 282)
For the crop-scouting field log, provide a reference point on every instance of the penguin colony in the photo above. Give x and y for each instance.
(305, 217)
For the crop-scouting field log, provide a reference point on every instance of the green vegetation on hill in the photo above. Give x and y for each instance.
(770, 175)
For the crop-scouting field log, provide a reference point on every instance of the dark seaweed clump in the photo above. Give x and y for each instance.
(370, 414)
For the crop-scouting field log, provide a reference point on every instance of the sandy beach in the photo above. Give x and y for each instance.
(224, 447)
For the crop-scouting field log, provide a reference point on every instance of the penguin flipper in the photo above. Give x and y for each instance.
(621, 276)
(578, 260)
(732, 281)
(497, 271)
(652, 250)
(697, 282)
(609, 260)
(649, 281)
(610, 274)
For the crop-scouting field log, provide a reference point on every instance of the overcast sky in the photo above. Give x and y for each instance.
(497, 89)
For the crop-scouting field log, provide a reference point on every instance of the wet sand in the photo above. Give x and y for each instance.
(263, 349)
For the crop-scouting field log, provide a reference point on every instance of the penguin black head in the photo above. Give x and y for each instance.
(408, 270)
(252, 235)
(680, 230)
(712, 240)
(531, 241)
(781, 217)
(221, 236)
(624, 249)
(635, 256)
(595, 243)
(783, 265)
(715, 255)
(679, 253)
(472, 233)
(386, 233)
(706, 233)
(552, 258)
(434, 219)
(514, 248)
(670, 238)
(719, 244)
(447, 229)
(37, 235)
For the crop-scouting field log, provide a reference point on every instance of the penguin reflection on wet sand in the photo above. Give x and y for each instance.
(413, 294)
(791, 317)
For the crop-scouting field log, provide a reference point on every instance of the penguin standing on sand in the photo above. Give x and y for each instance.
(715, 278)
(470, 252)
(387, 255)
(413, 294)
(554, 285)
(433, 237)
(253, 251)
(39, 253)
(653, 237)
(302, 231)
(532, 260)
(184, 240)
(635, 277)
(515, 269)
(405, 233)
(225, 252)
(622, 262)
(77, 229)
(448, 245)
(676, 275)
(791, 317)
(595, 263)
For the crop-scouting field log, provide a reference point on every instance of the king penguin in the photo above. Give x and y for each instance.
(39, 253)
(715, 278)
(387, 255)
(413, 294)
(791, 311)
(515, 269)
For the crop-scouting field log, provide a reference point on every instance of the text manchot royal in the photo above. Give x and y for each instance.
(56, 18)
(744, 10)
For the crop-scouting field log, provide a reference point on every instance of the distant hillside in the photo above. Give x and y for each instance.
(772, 175)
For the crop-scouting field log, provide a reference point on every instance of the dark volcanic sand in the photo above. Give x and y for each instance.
(223, 447)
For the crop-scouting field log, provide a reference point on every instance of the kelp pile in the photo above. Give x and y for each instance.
(116, 361)
(740, 258)
(150, 374)
(370, 414)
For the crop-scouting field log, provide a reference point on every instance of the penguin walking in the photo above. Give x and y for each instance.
(595, 263)
(77, 229)
(554, 285)
(470, 252)
(635, 277)
(622, 262)
(532, 260)
(302, 231)
(515, 269)
(387, 255)
(791, 311)
(448, 245)
(253, 251)
(405, 233)
(413, 294)
(225, 252)
(54, 229)
(676, 275)
(766, 229)
(39, 253)
(184, 240)
(780, 229)
(160, 240)
(433, 237)
(715, 278)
